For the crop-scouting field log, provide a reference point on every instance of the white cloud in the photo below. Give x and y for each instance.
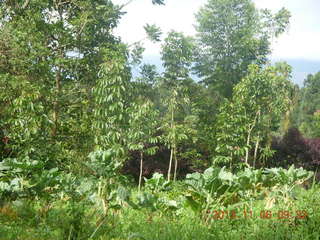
(176, 15)
(270, 4)
(303, 38)
(297, 45)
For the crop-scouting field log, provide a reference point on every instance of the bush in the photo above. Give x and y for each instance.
(293, 148)
(314, 151)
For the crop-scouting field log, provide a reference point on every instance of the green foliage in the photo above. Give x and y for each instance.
(50, 54)
(231, 140)
(27, 178)
(219, 185)
(153, 32)
(257, 107)
(160, 215)
(111, 103)
(142, 135)
(143, 127)
(148, 74)
(72, 114)
(276, 23)
(136, 53)
(306, 112)
(317, 119)
(157, 183)
(288, 176)
(177, 57)
(102, 163)
(233, 34)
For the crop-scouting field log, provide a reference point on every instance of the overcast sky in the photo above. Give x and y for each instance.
(300, 44)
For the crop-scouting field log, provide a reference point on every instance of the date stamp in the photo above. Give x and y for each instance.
(263, 214)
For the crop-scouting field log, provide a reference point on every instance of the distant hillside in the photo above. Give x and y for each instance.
(301, 67)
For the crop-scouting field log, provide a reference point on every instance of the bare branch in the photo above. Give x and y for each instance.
(126, 4)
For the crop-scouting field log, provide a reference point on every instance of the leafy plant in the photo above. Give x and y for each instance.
(27, 178)
(219, 185)
(157, 183)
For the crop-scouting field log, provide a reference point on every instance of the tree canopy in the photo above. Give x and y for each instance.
(232, 34)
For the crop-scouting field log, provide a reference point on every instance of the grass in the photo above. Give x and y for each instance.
(58, 220)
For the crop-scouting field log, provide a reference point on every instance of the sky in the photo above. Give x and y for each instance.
(299, 46)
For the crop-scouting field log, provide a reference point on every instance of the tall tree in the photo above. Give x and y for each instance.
(143, 130)
(112, 103)
(50, 56)
(177, 57)
(232, 34)
(246, 122)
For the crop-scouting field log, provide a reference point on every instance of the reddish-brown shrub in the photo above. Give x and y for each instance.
(293, 148)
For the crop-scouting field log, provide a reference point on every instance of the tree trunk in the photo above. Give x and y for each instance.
(170, 164)
(141, 167)
(56, 107)
(248, 142)
(172, 146)
(175, 164)
(255, 153)
(56, 103)
(249, 135)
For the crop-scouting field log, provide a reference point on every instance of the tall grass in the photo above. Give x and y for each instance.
(31, 220)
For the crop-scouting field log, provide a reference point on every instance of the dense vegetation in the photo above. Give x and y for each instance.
(221, 144)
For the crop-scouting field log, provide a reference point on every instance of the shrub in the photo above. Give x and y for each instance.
(293, 148)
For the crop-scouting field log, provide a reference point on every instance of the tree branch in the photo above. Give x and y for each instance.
(126, 4)
(25, 5)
